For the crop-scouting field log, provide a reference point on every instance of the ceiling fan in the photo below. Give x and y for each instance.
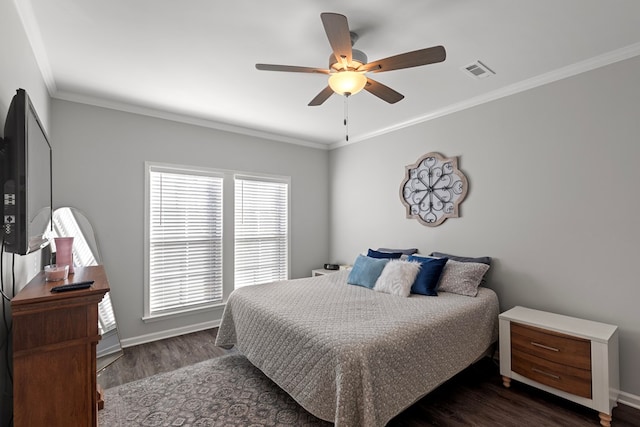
(348, 67)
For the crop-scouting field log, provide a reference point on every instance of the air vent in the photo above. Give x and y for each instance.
(478, 70)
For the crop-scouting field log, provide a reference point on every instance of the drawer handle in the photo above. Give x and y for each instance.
(546, 347)
(555, 377)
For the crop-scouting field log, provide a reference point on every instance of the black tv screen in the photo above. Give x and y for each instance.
(26, 178)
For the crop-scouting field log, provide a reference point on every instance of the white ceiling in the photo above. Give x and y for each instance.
(194, 60)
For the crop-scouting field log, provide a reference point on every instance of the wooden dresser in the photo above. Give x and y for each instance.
(573, 358)
(54, 351)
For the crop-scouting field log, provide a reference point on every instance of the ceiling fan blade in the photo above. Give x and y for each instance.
(416, 58)
(321, 97)
(383, 92)
(337, 29)
(290, 68)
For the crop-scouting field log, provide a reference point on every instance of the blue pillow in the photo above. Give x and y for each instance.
(388, 255)
(426, 282)
(366, 270)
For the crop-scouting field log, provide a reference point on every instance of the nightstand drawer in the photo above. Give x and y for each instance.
(562, 377)
(552, 346)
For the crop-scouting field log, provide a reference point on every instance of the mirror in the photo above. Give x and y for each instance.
(70, 222)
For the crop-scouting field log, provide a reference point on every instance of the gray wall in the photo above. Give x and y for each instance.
(98, 168)
(18, 70)
(553, 181)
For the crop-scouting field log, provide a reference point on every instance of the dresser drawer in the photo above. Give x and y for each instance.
(552, 346)
(51, 327)
(562, 377)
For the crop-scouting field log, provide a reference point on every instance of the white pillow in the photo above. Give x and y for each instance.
(397, 277)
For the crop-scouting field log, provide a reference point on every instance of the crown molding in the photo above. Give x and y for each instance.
(28, 19)
(32, 31)
(541, 80)
(183, 118)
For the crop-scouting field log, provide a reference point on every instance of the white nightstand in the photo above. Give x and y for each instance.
(572, 358)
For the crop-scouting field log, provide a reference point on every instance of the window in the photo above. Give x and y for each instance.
(65, 224)
(261, 230)
(184, 239)
(106, 317)
(186, 236)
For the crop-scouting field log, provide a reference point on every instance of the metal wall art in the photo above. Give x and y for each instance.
(433, 189)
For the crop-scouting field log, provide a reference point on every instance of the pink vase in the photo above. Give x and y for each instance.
(64, 251)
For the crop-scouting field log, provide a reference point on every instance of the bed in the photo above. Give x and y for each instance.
(351, 355)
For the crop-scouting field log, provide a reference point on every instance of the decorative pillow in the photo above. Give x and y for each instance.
(397, 277)
(481, 260)
(366, 270)
(388, 255)
(402, 251)
(426, 282)
(462, 277)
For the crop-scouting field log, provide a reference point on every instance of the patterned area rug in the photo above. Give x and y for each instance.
(225, 391)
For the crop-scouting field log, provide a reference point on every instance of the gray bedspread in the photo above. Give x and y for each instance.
(351, 355)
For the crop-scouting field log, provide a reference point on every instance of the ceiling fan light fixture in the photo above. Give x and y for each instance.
(348, 66)
(347, 82)
(358, 59)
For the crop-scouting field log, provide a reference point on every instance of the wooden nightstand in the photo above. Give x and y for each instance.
(572, 358)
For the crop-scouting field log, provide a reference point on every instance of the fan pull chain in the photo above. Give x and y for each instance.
(346, 116)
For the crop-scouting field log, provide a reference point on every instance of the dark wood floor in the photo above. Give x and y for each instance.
(475, 397)
(161, 356)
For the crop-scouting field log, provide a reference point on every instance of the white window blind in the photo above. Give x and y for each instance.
(106, 318)
(261, 231)
(65, 224)
(185, 240)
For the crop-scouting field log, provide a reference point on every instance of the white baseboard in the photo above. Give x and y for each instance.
(169, 333)
(629, 399)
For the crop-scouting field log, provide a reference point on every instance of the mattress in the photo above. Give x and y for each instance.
(351, 355)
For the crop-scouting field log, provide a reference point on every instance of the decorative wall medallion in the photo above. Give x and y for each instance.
(433, 189)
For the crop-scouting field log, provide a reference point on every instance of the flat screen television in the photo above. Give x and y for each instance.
(26, 178)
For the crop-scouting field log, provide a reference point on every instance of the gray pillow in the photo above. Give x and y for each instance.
(481, 260)
(462, 278)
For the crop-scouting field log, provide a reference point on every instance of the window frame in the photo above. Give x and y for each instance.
(179, 169)
(228, 231)
(267, 178)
